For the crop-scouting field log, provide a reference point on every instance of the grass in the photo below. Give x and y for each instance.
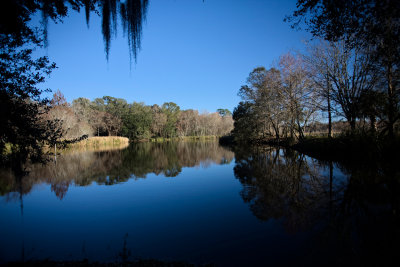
(101, 141)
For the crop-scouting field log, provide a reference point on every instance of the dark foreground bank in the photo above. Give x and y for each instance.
(84, 263)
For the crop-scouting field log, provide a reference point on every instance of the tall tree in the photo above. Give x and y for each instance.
(244, 121)
(21, 104)
(159, 119)
(371, 24)
(171, 110)
(318, 61)
(70, 124)
(188, 122)
(350, 72)
(276, 102)
(137, 123)
(298, 92)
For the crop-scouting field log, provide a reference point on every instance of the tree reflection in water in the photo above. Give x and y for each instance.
(351, 213)
(341, 213)
(114, 166)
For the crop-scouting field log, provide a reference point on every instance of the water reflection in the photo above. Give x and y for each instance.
(302, 211)
(351, 213)
(110, 167)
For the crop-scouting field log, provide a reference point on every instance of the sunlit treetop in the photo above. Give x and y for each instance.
(16, 14)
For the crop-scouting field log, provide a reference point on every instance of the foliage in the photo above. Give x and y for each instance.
(20, 102)
(372, 25)
(171, 110)
(224, 112)
(137, 121)
(276, 102)
(286, 100)
(26, 125)
(244, 122)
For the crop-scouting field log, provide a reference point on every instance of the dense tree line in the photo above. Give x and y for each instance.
(114, 116)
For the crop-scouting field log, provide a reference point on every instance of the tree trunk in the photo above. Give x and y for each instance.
(329, 109)
(390, 100)
(352, 125)
(373, 124)
(330, 181)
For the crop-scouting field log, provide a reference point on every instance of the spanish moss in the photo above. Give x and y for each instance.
(132, 14)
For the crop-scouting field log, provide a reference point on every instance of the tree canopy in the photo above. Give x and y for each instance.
(372, 25)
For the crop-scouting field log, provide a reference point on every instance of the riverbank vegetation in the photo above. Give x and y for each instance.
(110, 121)
(30, 121)
(297, 97)
(101, 142)
(25, 129)
(346, 76)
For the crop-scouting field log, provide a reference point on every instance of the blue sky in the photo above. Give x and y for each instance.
(194, 53)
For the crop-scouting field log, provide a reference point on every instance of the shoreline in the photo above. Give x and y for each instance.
(352, 149)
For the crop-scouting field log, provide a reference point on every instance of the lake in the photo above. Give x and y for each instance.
(199, 202)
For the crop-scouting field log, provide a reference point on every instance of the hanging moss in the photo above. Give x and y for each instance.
(132, 13)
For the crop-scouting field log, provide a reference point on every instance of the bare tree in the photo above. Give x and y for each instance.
(278, 101)
(70, 125)
(318, 62)
(298, 92)
(348, 73)
(112, 124)
(187, 122)
(225, 125)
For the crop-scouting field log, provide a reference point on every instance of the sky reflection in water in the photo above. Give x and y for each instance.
(193, 202)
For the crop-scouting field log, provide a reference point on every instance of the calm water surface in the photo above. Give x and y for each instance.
(201, 203)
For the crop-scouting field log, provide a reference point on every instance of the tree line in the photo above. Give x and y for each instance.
(350, 72)
(329, 81)
(115, 116)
